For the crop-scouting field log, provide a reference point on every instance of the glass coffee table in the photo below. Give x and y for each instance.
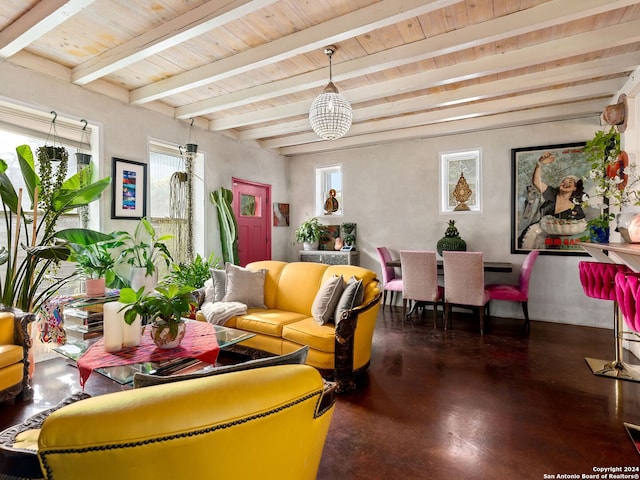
(226, 337)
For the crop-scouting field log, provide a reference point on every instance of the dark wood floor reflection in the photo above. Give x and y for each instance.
(453, 405)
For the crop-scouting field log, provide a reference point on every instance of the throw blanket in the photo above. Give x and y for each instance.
(218, 313)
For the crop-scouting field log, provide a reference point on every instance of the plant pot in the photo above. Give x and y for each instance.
(55, 154)
(139, 278)
(161, 335)
(599, 234)
(310, 245)
(94, 287)
(83, 158)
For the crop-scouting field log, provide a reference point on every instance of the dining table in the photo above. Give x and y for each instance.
(504, 267)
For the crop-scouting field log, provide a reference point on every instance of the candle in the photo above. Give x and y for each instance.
(113, 326)
(131, 335)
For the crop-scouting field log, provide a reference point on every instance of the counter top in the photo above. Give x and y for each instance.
(618, 252)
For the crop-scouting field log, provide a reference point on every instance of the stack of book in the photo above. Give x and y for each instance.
(82, 323)
(82, 317)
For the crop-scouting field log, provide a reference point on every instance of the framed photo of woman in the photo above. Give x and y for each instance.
(549, 186)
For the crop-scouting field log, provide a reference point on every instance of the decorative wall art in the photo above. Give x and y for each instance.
(328, 236)
(550, 185)
(129, 189)
(280, 214)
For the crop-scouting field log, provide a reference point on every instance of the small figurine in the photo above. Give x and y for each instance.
(331, 205)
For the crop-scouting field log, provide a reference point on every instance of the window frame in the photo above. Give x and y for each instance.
(451, 163)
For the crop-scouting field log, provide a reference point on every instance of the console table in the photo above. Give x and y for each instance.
(330, 257)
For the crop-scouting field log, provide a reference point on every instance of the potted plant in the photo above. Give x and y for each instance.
(144, 251)
(194, 273)
(613, 178)
(26, 282)
(309, 233)
(164, 308)
(91, 251)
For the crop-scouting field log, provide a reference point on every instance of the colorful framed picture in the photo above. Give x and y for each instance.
(549, 186)
(280, 214)
(128, 189)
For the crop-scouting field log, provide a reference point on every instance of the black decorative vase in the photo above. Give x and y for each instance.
(451, 240)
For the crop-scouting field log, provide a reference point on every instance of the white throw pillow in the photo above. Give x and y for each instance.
(219, 278)
(324, 305)
(245, 286)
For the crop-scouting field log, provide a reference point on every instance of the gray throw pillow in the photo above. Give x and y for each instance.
(351, 297)
(299, 356)
(324, 304)
(245, 286)
(219, 278)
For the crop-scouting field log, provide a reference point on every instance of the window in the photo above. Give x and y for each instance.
(329, 190)
(168, 188)
(461, 170)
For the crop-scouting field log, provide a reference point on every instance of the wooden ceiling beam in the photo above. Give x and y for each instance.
(580, 44)
(502, 120)
(169, 34)
(538, 80)
(378, 15)
(541, 16)
(41, 19)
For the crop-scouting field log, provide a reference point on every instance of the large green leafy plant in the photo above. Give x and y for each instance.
(145, 248)
(31, 250)
(166, 306)
(91, 251)
(193, 273)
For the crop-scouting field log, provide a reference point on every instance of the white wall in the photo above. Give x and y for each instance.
(125, 131)
(392, 193)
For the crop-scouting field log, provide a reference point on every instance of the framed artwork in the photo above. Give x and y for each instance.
(456, 169)
(549, 186)
(280, 214)
(128, 189)
(328, 236)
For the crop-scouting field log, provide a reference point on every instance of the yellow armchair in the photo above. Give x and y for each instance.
(265, 423)
(15, 344)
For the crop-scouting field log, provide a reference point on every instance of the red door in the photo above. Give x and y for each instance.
(251, 206)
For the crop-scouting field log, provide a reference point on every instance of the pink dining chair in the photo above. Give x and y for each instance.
(389, 281)
(420, 281)
(519, 292)
(598, 280)
(464, 283)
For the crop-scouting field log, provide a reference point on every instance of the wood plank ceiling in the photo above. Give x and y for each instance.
(410, 68)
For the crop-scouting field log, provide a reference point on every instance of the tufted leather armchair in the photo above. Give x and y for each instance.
(270, 422)
(15, 343)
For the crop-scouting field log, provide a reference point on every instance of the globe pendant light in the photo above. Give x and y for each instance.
(330, 114)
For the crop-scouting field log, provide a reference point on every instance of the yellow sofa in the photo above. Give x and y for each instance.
(15, 344)
(287, 324)
(270, 422)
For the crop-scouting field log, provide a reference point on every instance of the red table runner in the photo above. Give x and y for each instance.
(199, 342)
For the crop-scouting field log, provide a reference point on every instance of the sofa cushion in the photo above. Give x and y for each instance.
(244, 286)
(298, 357)
(351, 297)
(219, 279)
(309, 332)
(324, 305)
(268, 322)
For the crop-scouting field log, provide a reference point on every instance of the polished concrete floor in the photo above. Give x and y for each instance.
(456, 405)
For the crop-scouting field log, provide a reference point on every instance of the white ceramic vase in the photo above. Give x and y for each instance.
(139, 278)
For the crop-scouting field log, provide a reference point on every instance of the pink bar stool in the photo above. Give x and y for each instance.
(598, 281)
(627, 294)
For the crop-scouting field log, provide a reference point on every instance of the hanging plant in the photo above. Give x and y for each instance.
(51, 178)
